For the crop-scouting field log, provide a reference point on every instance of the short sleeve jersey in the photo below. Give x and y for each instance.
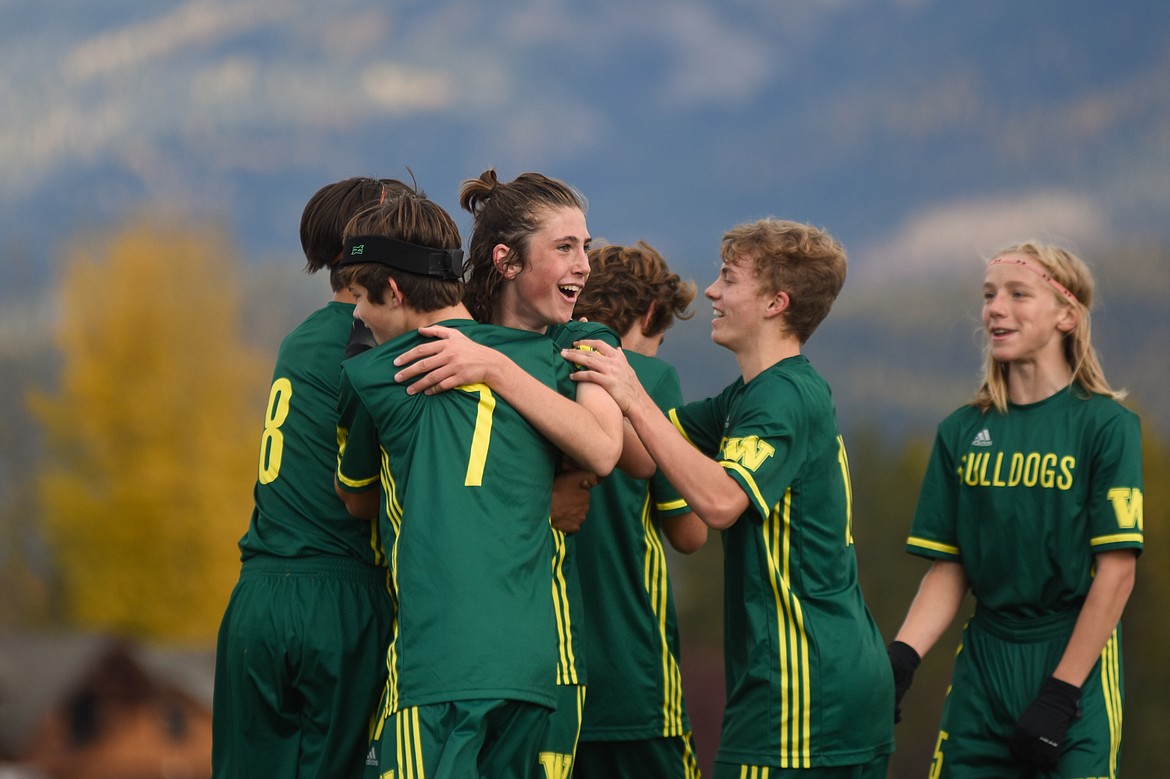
(571, 619)
(635, 685)
(808, 679)
(297, 513)
(467, 485)
(1024, 499)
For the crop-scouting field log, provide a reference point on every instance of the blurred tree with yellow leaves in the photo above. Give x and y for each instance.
(150, 437)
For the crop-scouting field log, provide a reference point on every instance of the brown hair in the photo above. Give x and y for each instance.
(326, 214)
(1074, 275)
(413, 218)
(505, 213)
(802, 260)
(627, 281)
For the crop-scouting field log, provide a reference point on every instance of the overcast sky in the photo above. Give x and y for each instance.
(915, 129)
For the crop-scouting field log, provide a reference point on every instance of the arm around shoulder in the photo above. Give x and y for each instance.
(588, 431)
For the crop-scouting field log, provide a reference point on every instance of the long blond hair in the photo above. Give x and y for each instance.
(1070, 272)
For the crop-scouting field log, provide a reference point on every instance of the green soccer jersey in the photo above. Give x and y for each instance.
(297, 513)
(808, 679)
(467, 485)
(299, 655)
(1025, 499)
(571, 620)
(635, 686)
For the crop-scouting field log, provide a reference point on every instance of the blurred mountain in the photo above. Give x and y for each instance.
(921, 133)
(911, 128)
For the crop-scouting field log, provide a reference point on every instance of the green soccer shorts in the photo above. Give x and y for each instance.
(300, 663)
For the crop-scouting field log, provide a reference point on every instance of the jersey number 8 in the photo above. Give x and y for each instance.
(272, 442)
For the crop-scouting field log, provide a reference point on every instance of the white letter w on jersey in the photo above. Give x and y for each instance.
(1127, 506)
(750, 452)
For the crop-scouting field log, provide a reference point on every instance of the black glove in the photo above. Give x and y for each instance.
(904, 660)
(1040, 730)
(360, 339)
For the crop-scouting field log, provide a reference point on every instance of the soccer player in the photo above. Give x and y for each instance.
(1032, 501)
(635, 723)
(764, 462)
(528, 265)
(466, 478)
(298, 661)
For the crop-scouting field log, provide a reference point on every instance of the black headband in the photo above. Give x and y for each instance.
(442, 263)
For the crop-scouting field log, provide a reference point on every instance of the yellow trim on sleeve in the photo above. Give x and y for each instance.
(678, 426)
(932, 545)
(356, 484)
(753, 490)
(1116, 538)
(670, 505)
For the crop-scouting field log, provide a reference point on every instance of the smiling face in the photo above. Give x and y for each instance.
(1024, 319)
(738, 304)
(544, 291)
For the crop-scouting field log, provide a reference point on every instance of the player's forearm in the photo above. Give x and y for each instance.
(935, 606)
(635, 461)
(1099, 615)
(588, 431)
(687, 533)
(702, 482)
(600, 450)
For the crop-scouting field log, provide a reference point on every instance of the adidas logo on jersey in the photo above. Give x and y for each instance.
(372, 757)
(982, 438)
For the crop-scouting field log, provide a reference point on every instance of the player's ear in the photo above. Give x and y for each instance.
(777, 304)
(644, 322)
(393, 293)
(505, 261)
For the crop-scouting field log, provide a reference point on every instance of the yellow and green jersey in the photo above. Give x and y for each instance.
(301, 642)
(635, 683)
(297, 513)
(466, 486)
(572, 625)
(808, 679)
(1025, 499)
